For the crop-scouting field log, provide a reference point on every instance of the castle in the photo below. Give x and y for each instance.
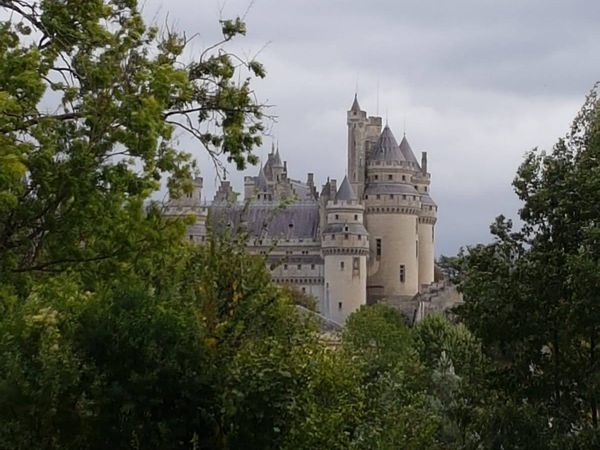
(371, 239)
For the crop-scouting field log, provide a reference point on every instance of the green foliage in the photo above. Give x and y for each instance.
(73, 181)
(532, 295)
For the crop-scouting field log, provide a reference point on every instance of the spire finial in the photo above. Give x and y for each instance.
(386, 117)
(273, 146)
(405, 127)
(377, 109)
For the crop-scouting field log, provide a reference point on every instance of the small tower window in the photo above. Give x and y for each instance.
(355, 264)
(285, 267)
(333, 236)
(340, 306)
(337, 216)
(377, 177)
(346, 228)
(378, 196)
(304, 290)
(341, 265)
(402, 273)
(346, 236)
(391, 195)
(404, 197)
(378, 248)
(425, 188)
(403, 177)
(299, 266)
(355, 216)
(366, 197)
(312, 266)
(390, 177)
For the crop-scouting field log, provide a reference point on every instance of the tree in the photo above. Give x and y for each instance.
(90, 99)
(213, 357)
(531, 295)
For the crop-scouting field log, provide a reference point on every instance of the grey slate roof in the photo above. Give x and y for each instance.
(390, 188)
(261, 180)
(427, 200)
(386, 148)
(269, 220)
(407, 151)
(277, 159)
(353, 228)
(355, 106)
(345, 192)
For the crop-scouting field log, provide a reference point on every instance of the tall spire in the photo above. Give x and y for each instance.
(355, 106)
(261, 180)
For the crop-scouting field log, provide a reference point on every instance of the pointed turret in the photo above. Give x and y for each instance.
(261, 180)
(386, 148)
(407, 152)
(277, 159)
(346, 193)
(355, 106)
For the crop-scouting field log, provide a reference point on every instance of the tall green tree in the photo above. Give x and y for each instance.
(90, 99)
(532, 295)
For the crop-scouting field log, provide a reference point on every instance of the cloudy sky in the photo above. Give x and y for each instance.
(477, 82)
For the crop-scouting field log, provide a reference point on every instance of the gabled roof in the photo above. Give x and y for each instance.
(386, 148)
(345, 192)
(407, 151)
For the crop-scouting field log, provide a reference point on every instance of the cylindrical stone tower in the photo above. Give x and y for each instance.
(426, 228)
(392, 206)
(345, 246)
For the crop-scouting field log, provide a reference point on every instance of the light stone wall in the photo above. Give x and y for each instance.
(398, 234)
(345, 290)
(426, 253)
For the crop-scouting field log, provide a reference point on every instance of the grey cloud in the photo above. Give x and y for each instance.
(479, 82)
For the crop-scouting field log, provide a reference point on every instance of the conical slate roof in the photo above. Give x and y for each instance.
(407, 151)
(386, 148)
(345, 192)
(261, 180)
(355, 106)
(277, 159)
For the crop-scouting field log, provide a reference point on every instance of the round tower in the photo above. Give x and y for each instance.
(345, 247)
(426, 227)
(392, 206)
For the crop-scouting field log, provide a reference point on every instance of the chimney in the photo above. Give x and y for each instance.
(311, 179)
(424, 162)
(333, 188)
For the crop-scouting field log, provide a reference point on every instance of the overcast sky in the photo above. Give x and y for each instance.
(478, 83)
